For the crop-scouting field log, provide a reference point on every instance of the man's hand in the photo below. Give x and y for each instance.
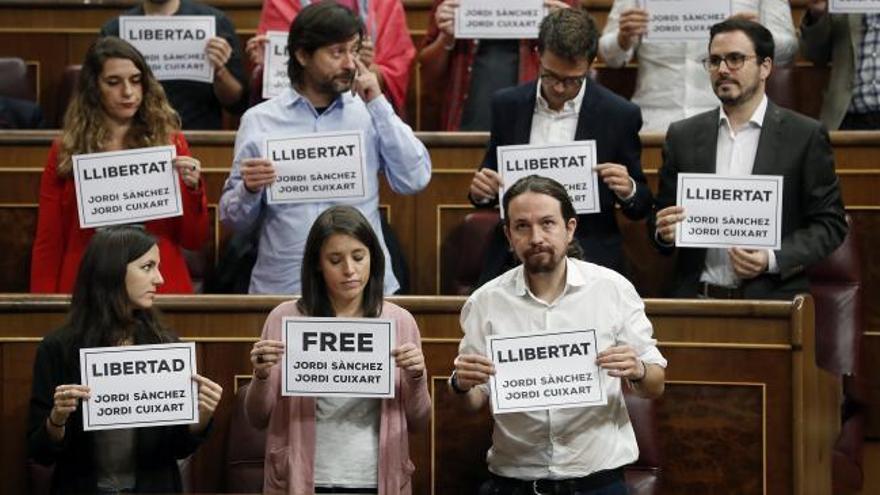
(632, 24)
(365, 84)
(257, 173)
(256, 48)
(616, 177)
(472, 370)
(817, 8)
(749, 263)
(666, 222)
(485, 185)
(218, 52)
(445, 18)
(622, 362)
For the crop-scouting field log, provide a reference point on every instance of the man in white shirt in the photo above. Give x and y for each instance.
(565, 105)
(749, 135)
(577, 450)
(671, 83)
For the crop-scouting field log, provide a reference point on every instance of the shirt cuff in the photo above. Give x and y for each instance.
(632, 193)
(772, 265)
(652, 356)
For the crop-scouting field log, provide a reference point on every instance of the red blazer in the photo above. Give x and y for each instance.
(60, 242)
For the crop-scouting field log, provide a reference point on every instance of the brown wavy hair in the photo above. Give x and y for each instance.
(85, 124)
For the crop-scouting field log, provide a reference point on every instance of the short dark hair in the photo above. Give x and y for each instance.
(349, 221)
(761, 37)
(570, 34)
(319, 24)
(101, 311)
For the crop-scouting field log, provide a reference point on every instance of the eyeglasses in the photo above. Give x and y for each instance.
(568, 82)
(733, 60)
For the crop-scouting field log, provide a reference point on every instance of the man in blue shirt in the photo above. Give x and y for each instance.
(331, 91)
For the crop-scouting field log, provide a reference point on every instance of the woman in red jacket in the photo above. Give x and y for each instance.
(118, 105)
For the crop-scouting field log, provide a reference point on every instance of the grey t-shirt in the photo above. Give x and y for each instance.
(115, 459)
(347, 442)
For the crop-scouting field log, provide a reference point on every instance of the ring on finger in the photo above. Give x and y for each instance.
(260, 359)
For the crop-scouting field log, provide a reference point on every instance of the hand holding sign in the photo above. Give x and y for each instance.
(817, 8)
(365, 84)
(622, 362)
(218, 52)
(616, 177)
(264, 355)
(66, 400)
(748, 263)
(209, 396)
(367, 52)
(189, 169)
(256, 48)
(257, 173)
(410, 358)
(667, 219)
(472, 370)
(445, 17)
(555, 4)
(632, 24)
(485, 185)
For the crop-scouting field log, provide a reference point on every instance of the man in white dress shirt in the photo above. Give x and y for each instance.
(579, 450)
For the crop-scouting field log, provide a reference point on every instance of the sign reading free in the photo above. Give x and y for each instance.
(338, 357)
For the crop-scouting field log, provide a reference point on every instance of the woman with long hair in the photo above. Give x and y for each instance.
(118, 105)
(112, 305)
(330, 444)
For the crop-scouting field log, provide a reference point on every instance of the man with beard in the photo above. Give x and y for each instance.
(199, 104)
(749, 135)
(562, 106)
(573, 450)
(331, 90)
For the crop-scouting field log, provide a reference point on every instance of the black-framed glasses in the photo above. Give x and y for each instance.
(568, 82)
(733, 61)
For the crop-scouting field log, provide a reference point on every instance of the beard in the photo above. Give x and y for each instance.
(540, 260)
(337, 85)
(745, 92)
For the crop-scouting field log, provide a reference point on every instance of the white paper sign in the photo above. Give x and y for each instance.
(545, 371)
(174, 46)
(684, 20)
(138, 386)
(570, 164)
(130, 186)
(338, 357)
(317, 167)
(498, 19)
(730, 211)
(275, 79)
(854, 6)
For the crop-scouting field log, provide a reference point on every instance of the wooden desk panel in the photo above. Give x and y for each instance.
(745, 410)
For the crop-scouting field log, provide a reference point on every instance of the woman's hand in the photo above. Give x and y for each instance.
(190, 170)
(209, 396)
(66, 400)
(264, 355)
(409, 358)
(256, 48)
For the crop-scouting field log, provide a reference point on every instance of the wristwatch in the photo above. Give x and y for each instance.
(453, 382)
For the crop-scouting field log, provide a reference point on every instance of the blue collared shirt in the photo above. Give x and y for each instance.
(391, 149)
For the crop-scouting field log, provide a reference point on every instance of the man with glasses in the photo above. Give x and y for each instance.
(749, 135)
(564, 105)
(331, 90)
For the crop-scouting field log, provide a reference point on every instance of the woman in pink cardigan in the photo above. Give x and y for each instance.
(333, 444)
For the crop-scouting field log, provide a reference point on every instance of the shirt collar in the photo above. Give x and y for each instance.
(293, 97)
(573, 278)
(571, 106)
(756, 120)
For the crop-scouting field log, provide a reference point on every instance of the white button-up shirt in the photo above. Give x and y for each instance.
(572, 442)
(550, 126)
(672, 83)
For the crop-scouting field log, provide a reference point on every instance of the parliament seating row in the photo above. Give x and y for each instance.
(745, 411)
